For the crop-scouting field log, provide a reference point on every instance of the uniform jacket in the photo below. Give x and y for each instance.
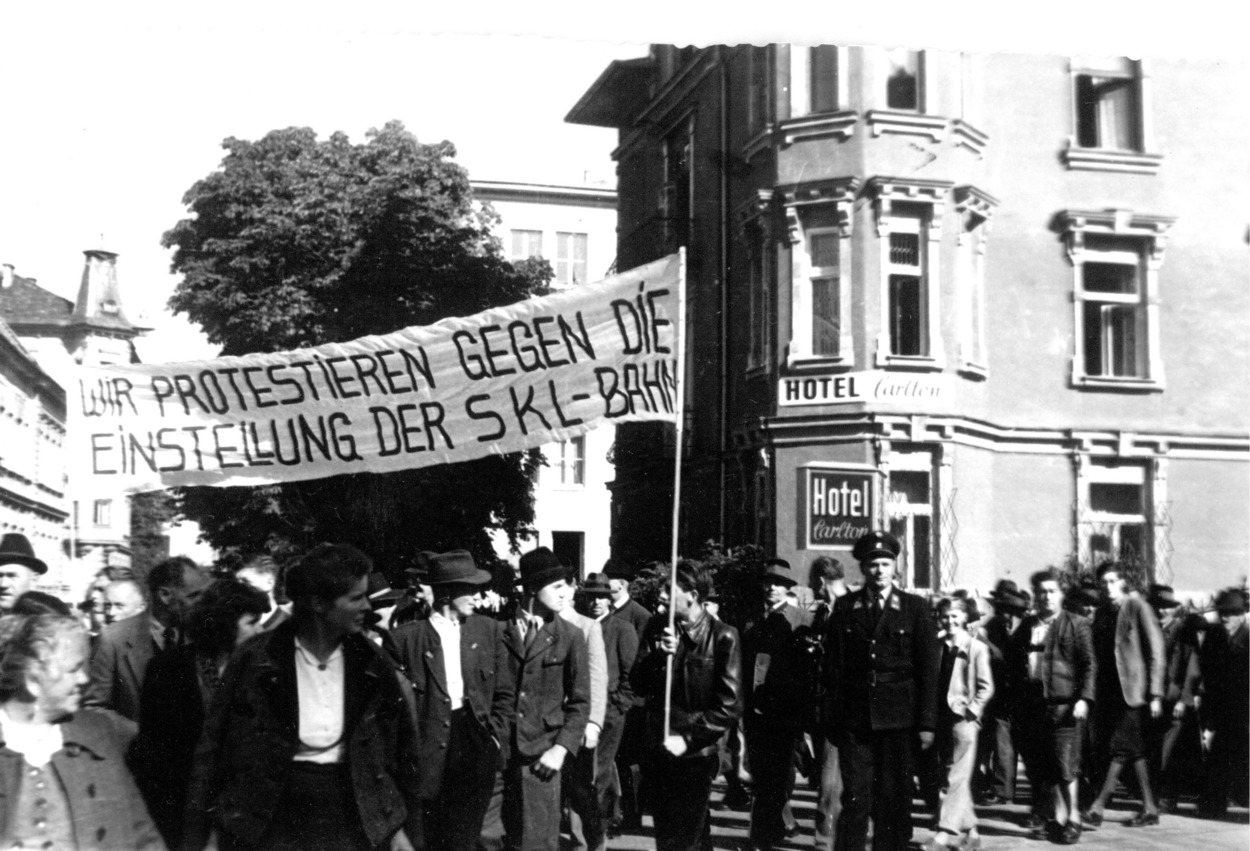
(1139, 657)
(707, 682)
(489, 691)
(252, 733)
(882, 677)
(119, 664)
(553, 688)
(779, 664)
(620, 645)
(105, 805)
(972, 684)
(1069, 669)
(597, 658)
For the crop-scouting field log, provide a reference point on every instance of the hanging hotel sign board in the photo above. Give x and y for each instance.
(874, 386)
(838, 504)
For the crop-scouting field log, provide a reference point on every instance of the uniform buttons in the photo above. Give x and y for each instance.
(40, 785)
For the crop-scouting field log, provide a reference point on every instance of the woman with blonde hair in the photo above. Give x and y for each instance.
(63, 776)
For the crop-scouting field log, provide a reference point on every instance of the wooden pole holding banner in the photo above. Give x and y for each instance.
(680, 405)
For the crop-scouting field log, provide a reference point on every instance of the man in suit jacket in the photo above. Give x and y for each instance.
(121, 658)
(1128, 647)
(585, 823)
(882, 676)
(778, 697)
(998, 733)
(620, 643)
(1051, 661)
(630, 752)
(548, 657)
(465, 699)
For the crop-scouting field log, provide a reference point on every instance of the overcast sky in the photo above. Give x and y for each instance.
(111, 111)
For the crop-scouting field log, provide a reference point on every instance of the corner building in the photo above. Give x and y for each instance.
(997, 304)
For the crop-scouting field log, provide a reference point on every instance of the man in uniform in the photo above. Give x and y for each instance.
(882, 676)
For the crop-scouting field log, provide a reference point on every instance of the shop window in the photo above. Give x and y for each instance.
(1116, 259)
(910, 512)
(570, 259)
(526, 244)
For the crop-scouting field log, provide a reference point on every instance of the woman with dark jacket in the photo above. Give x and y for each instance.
(179, 685)
(309, 741)
(63, 777)
(682, 761)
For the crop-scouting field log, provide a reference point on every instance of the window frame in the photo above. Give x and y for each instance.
(762, 277)
(531, 235)
(1142, 157)
(102, 513)
(831, 201)
(1140, 239)
(798, 120)
(574, 461)
(975, 209)
(1150, 474)
(571, 264)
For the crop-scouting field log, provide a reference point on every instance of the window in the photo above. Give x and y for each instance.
(902, 83)
(820, 219)
(823, 82)
(1115, 513)
(909, 507)
(1111, 117)
(758, 115)
(571, 461)
(909, 224)
(975, 209)
(568, 548)
(526, 244)
(675, 198)
(763, 261)
(570, 259)
(102, 512)
(1115, 258)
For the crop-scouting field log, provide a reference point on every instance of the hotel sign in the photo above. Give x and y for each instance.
(838, 505)
(875, 386)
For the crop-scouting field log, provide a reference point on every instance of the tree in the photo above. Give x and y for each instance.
(296, 242)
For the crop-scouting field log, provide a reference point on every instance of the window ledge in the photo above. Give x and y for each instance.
(760, 371)
(1131, 385)
(974, 371)
(915, 363)
(906, 123)
(1101, 159)
(969, 137)
(840, 124)
(808, 363)
(759, 142)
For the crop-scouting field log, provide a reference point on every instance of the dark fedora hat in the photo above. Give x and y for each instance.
(540, 567)
(1162, 597)
(777, 570)
(1085, 594)
(16, 549)
(1230, 601)
(1007, 596)
(877, 544)
(596, 585)
(617, 569)
(381, 594)
(419, 568)
(455, 566)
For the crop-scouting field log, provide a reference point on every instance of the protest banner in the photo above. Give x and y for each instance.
(507, 379)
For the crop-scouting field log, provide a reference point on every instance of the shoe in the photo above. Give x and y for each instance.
(991, 800)
(792, 831)
(1142, 820)
(1071, 834)
(1092, 818)
(972, 843)
(1035, 825)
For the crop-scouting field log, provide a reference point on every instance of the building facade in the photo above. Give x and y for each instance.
(58, 334)
(574, 229)
(997, 304)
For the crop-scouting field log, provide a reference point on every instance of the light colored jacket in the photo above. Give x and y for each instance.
(1140, 659)
(972, 685)
(598, 662)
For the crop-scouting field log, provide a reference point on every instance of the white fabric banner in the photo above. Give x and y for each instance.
(507, 379)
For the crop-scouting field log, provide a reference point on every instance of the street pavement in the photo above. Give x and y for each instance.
(999, 825)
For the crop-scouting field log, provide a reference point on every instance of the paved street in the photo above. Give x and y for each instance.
(1000, 830)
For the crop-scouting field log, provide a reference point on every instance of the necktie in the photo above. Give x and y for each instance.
(876, 608)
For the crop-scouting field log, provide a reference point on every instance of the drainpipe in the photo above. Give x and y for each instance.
(724, 290)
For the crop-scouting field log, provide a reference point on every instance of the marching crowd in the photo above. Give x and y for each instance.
(532, 711)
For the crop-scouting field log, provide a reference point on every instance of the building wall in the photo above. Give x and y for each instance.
(563, 507)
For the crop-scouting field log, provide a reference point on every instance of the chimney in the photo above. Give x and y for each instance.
(6, 275)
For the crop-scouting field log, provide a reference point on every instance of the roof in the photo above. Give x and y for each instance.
(27, 303)
(620, 92)
(543, 193)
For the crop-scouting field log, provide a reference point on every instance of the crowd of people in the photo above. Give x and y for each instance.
(315, 706)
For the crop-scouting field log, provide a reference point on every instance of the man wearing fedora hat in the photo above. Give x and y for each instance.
(465, 701)
(998, 739)
(18, 569)
(630, 752)
(1225, 709)
(778, 693)
(548, 660)
(1170, 758)
(882, 671)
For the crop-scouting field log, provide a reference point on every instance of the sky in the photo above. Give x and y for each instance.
(110, 112)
